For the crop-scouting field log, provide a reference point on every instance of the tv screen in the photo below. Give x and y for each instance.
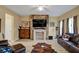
(39, 23)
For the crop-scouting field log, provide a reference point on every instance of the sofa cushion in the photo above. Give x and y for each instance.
(69, 34)
(65, 39)
(76, 41)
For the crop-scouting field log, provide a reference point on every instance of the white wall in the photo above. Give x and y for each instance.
(52, 29)
(3, 11)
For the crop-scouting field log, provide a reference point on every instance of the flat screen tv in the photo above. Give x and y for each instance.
(39, 23)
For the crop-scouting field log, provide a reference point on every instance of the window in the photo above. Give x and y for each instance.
(61, 27)
(71, 25)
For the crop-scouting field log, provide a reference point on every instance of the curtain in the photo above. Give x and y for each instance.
(75, 25)
(67, 27)
(59, 28)
(62, 27)
(0, 25)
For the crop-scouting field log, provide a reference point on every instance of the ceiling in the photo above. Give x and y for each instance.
(52, 10)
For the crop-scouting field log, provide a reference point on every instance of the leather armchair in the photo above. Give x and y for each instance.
(4, 43)
(5, 47)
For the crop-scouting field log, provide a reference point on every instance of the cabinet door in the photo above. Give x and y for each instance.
(21, 33)
(27, 33)
(24, 34)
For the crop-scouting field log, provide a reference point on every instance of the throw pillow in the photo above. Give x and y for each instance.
(65, 38)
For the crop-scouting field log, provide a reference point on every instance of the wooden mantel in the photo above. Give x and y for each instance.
(39, 16)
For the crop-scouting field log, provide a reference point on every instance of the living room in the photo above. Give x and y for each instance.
(19, 25)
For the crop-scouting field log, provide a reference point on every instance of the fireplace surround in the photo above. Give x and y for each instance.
(39, 34)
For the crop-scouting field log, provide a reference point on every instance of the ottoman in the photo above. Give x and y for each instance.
(42, 48)
(18, 48)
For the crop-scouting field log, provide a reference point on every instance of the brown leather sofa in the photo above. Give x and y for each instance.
(71, 45)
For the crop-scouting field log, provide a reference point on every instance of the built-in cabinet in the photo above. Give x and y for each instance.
(26, 22)
(24, 30)
(24, 33)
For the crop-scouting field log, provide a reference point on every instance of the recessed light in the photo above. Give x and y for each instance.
(40, 8)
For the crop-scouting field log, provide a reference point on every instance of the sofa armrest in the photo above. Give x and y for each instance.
(4, 43)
